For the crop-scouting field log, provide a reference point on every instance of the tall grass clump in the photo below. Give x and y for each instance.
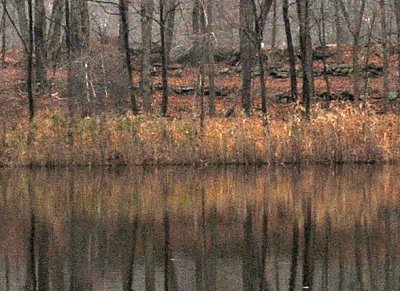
(339, 135)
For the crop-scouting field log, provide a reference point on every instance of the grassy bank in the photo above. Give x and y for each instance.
(338, 135)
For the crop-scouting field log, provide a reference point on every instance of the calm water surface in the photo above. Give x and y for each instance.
(327, 228)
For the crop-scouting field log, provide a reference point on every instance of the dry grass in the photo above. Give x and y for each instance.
(340, 134)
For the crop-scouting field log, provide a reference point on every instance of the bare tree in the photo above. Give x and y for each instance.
(260, 17)
(385, 48)
(196, 26)
(76, 83)
(170, 25)
(321, 23)
(3, 29)
(147, 7)
(210, 62)
(306, 54)
(370, 29)
(29, 70)
(55, 27)
(339, 33)
(124, 21)
(274, 24)
(289, 43)
(164, 58)
(354, 25)
(40, 42)
(85, 21)
(20, 6)
(397, 15)
(246, 51)
(198, 23)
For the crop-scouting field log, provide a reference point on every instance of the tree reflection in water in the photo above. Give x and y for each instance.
(214, 229)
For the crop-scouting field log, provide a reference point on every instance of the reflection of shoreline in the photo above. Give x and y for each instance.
(103, 200)
(338, 190)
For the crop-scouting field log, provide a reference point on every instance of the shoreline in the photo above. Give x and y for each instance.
(338, 136)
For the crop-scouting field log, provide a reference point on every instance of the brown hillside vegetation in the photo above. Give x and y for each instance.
(337, 132)
(13, 102)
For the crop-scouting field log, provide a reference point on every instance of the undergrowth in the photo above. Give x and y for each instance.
(338, 135)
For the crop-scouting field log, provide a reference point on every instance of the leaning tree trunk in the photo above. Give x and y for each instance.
(40, 42)
(289, 43)
(147, 18)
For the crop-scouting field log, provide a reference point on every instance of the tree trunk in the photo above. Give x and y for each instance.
(356, 69)
(71, 103)
(368, 51)
(339, 34)
(356, 48)
(385, 49)
(76, 84)
(170, 23)
(246, 52)
(201, 55)
(22, 21)
(322, 40)
(124, 12)
(397, 14)
(210, 56)
(196, 14)
(85, 22)
(274, 26)
(29, 71)
(55, 29)
(292, 58)
(40, 42)
(3, 28)
(306, 55)
(147, 18)
(164, 61)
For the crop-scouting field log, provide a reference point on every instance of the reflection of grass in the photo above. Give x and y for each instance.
(102, 198)
(338, 135)
(343, 193)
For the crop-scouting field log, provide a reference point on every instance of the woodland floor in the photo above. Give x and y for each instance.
(13, 100)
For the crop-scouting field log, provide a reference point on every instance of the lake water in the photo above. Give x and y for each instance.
(283, 228)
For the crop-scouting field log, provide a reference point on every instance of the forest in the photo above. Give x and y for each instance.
(93, 82)
(199, 145)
